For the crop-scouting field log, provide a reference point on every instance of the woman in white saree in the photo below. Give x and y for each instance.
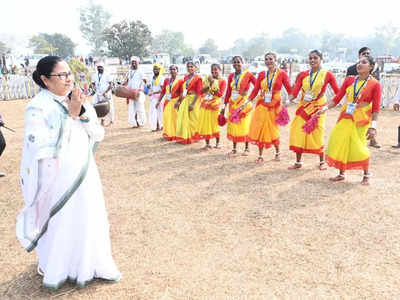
(64, 217)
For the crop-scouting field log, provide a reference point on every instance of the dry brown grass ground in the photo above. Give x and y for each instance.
(188, 224)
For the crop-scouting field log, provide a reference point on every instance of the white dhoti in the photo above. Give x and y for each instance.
(136, 111)
(155, 114)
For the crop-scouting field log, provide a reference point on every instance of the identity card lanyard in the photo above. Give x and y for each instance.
(132, 74)
(270, 81)
(311, 79)
(356, 92)
(187, 81)
(170, 85)
(237, 77)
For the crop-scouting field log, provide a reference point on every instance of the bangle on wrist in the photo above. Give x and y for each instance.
(373, 125)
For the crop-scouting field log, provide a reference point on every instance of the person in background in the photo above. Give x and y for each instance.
(313, 84)
(136, 80)
(213, 89)
(188, 107)
(347, 147)
(264, 132)
(2, 142)
(64, 218)
(237, 92)
(104, 84)
(156, 111)
(352, 71)
(171, 91)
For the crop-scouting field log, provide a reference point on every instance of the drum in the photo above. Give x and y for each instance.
(102, 108)
(124, 92)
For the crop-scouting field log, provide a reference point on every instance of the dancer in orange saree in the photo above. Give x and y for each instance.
(172, 89)
(313, 84)
(347, 147)
(264, 131)
(189, 107)
(214, 87)
(236, 96)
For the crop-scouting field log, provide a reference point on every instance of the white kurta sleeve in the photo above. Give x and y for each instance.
(92, 127)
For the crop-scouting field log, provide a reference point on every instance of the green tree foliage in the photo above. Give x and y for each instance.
(54, 44)
(76, 68)
(172, 43)
(94, 19)
(257, 46)
(209, 47)
(128, 38)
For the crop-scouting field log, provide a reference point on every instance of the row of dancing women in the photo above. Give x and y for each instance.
(193, 111)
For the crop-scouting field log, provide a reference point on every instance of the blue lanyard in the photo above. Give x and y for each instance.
(270, 81)
(100, 77)
(356, 92)
(187, 81)
(170, 85)
(237, 77)
(313, 80)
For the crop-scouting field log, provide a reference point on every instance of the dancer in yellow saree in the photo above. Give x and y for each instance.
(264, 132)
(313, 84)
(347, 147)
(236, 96)
(213, 87)
(172, 89)
(189, 107)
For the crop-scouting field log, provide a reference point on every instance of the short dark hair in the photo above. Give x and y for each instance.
(218, 66)
(239, 57)
(44, 67)
(319, 53)
(272, 54)
(173, 66)
(190, 62)
(363, 49)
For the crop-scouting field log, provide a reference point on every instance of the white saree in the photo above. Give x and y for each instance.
(64, 217)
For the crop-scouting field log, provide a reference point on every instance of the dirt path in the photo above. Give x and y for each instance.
(188, 224)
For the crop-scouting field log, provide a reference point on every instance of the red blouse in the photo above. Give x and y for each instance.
(176, 87)
(195, 84)
(371, 93)
(244, 84)
(281, 79)
(329, 79)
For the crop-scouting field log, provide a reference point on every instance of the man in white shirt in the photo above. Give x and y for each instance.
(396, 107)
(104, 84)
(156, 112)
(136, 80)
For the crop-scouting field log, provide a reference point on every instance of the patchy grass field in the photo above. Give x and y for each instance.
(189, 224)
